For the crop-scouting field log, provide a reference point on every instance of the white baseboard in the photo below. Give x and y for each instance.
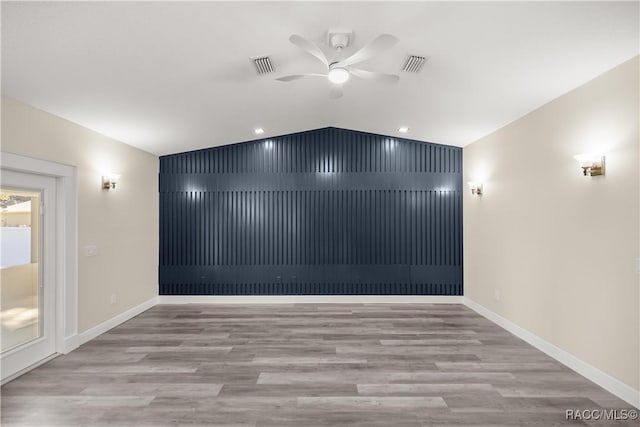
(309, 299)
(604, 380)
(75, 341)
(69, 344)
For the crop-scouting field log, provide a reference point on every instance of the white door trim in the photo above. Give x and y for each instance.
(66, 261)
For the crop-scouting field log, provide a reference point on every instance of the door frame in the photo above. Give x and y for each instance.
(66, 236)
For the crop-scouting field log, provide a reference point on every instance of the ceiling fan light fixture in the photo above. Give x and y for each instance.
(338, 75)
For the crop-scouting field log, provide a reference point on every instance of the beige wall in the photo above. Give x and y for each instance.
(559, 247)
(123, 224)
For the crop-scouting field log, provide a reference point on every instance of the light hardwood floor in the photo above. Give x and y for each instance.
(303, 365)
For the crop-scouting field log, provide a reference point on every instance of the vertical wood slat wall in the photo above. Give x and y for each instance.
(328, 211)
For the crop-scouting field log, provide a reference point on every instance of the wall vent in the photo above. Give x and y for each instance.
(263, 65)
(414, 64)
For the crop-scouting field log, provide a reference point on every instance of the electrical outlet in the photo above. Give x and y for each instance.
(114, 299)
(496, 294)
(90, 250)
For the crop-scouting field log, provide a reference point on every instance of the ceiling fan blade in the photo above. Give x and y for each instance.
(298, 76)
(309, 47)
(374, 76)
(336, 92)
(374, 47)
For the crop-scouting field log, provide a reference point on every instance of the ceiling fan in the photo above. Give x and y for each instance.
(339, 71)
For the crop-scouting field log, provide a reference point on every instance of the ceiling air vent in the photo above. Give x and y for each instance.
(414, 64)
(263, 65)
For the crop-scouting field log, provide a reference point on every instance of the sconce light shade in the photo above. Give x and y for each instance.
(591, 164)
(476, 188)
(109, 181)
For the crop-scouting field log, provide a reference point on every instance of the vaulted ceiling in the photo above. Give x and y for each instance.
(175, 76)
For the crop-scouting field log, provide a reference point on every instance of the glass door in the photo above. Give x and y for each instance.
(19, 266)
(27, 279)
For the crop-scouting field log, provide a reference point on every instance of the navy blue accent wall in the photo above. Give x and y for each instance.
(328, 211)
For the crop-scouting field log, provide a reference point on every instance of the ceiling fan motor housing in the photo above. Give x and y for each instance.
(339, 39)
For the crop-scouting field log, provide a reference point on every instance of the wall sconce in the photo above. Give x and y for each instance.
(476, 188)
(591, 164)
(109, 181)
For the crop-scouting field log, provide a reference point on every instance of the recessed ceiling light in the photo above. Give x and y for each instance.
(258, 131)
(403, 129)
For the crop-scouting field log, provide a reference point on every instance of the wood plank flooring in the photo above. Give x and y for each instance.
(303, 365)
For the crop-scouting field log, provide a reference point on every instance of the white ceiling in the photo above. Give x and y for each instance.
(169, 76)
